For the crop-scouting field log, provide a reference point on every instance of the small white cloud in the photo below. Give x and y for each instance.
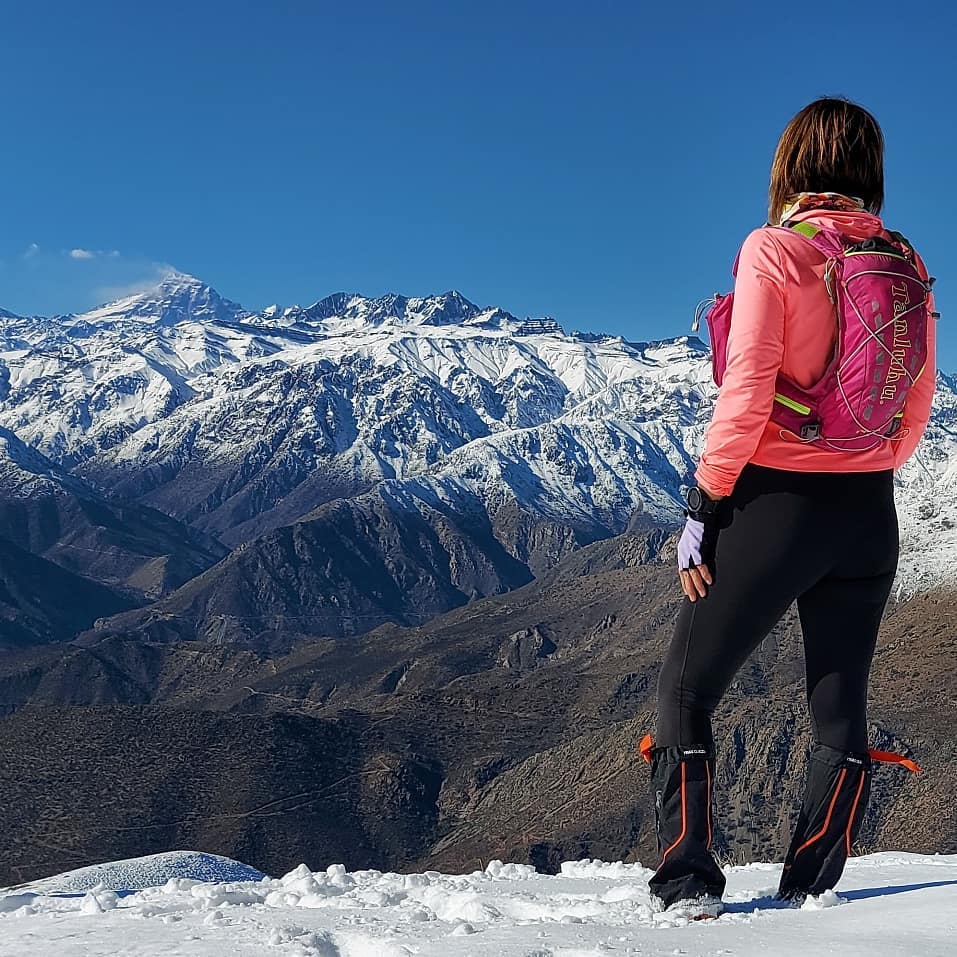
(31, 251)
(82, 254)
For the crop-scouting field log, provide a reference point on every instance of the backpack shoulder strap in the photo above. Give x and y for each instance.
(902, 239)
(827, 241)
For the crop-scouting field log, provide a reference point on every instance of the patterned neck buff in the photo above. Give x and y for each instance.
(802, 201)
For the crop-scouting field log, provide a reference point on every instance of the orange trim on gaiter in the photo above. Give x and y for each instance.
(684, 815)
(850, 820)
(827, 820)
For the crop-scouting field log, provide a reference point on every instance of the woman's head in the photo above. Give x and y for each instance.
(831, 146)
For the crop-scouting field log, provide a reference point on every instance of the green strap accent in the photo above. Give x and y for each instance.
(791, 404)
(807, 229)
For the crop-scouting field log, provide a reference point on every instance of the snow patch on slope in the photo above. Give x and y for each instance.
(927, 500)
(25, 473)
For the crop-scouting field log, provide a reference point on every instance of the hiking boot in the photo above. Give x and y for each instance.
(705, 907)
(681, 782)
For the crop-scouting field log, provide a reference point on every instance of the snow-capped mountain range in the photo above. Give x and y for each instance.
(238, 422)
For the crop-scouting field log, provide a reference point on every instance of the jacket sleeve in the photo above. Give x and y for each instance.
(755, 353)
(921, 396)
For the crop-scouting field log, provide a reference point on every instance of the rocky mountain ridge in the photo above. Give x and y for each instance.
(459, 444)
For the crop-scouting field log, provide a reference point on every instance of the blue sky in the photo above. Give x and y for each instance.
(596, 162)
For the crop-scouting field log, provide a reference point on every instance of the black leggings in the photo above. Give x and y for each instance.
(828, 540)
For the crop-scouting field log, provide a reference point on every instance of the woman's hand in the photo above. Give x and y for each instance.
(692, 569)
(696, 549)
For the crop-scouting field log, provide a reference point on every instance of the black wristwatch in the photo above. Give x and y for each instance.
(700, 504)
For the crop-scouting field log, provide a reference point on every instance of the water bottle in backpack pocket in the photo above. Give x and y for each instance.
(881, 309)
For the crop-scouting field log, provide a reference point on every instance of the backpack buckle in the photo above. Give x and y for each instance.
(811, 431)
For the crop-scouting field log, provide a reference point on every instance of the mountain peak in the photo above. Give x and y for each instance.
(176, 297)
(392, 309)
(173, 280)
(330, 307)
(448, 308)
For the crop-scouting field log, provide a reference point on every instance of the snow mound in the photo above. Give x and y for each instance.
(137, 873)
(887, 905)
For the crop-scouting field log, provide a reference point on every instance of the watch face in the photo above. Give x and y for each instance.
(695, 498)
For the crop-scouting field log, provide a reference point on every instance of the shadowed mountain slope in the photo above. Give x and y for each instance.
(53, 514)
(41, 602)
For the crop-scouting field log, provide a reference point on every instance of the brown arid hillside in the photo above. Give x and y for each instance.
(503, 729)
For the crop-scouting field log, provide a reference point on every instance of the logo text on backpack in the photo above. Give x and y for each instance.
(897, 370)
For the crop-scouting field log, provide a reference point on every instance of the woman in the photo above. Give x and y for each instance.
(775, 519)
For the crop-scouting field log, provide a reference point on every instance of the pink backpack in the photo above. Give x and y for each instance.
(880, 302)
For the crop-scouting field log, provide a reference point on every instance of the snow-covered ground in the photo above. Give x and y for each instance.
(888, 905)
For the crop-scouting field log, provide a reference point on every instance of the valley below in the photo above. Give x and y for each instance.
(387, 583)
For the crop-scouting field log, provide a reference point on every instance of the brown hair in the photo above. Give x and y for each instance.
(832, 145)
